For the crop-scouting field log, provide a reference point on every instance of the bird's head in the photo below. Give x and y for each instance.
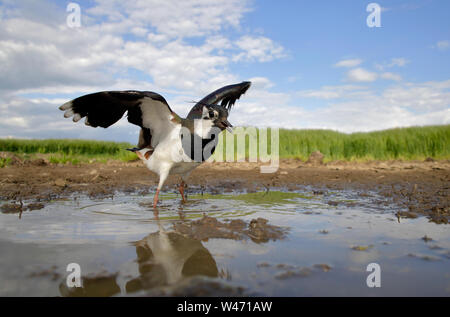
(218, 115)
(209, 109)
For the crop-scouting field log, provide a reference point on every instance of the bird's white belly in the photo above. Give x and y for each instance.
(169, 155)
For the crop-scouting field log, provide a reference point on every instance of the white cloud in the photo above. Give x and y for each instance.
(346, 108)
(157, 38)
(348, 63)
(15, 122)
(28, 64)
(391, 76)
(334, 92)
(139, 31)
(177, 18)
(356, 108)
(400, 62)
(260, 48)
(361, 75)
(421, 97)
(175, 64)
(261, 83)
(27, 118)
(39, 56)
(443, 45)
(394, 62)
(34, 54)
(293, 79)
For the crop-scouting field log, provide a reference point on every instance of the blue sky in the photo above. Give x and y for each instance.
(314, 64)
(317, 34)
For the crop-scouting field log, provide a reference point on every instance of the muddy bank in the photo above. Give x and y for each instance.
(422, 188)
(258, 230)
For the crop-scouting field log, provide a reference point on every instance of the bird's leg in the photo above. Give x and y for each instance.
(181, 188)
(155, 199)
(162, 178)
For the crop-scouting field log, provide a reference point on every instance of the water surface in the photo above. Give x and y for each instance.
(124, 248)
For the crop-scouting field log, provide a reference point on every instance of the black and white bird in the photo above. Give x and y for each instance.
(168, 144)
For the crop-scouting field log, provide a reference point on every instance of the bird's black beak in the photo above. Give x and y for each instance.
(227, 125)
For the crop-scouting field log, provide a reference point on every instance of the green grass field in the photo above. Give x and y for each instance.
(67, 150)
(415, 143)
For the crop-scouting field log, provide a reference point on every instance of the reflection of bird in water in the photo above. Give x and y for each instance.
(168, 258)
(165, 258)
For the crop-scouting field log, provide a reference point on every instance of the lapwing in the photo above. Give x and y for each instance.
(168, 144)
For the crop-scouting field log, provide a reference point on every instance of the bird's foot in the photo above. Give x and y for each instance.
(181, 188)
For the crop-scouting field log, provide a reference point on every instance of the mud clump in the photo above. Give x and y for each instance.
(60, 182)
(258, 230)
(362, 247)
(301, 272)
(423, 257)
(35, 206)
(13, 208)
(209, 227)
(200, 287)
(38, 162)
(100, 285)
(316, 158)
(51, 273)
(13, 160)
(323, 267)
(440, 214)
(289, 271)
(406, 214)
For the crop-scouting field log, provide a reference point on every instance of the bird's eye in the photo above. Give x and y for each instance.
(211, 114)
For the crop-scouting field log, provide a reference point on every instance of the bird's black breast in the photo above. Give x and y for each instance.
(197, 148)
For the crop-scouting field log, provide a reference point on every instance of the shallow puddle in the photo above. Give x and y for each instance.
(274, 243)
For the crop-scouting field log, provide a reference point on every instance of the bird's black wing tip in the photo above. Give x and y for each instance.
(247, 84)
(229, 102)
(244, 86)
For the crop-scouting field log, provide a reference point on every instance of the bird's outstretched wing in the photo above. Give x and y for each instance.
(227, 96)
(146, 109)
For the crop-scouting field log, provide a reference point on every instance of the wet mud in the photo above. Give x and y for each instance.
(421, 188)
(258, 230)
